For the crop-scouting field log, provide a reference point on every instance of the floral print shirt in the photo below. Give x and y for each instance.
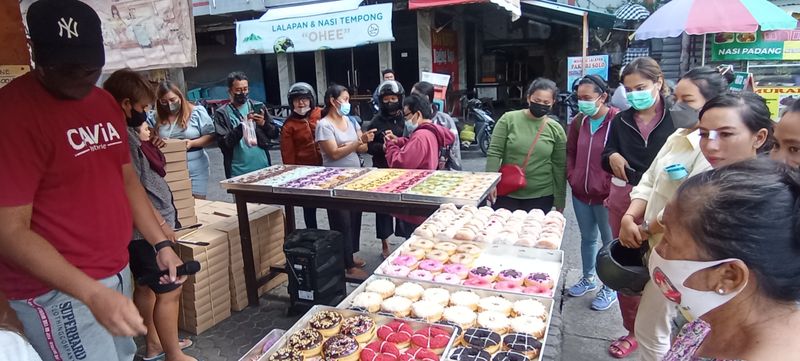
(688, 342)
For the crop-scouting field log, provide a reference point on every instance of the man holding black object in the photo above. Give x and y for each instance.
(69, 196)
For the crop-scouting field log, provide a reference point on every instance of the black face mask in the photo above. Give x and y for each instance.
(390, 108)
(136, 119)
(539, 110)
(240, 98)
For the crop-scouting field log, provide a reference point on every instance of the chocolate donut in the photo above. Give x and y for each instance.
(286, 354)
(454, 325)
(305, 339)
(357, 325)
(509, 356)
(521, 343)
(325, 320)
(339, 346)
(474, 354)
(481, 338)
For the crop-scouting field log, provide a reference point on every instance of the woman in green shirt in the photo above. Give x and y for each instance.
(546, 170)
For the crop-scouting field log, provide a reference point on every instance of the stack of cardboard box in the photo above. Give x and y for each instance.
(178, 179)
(205, 298)
(266, 233)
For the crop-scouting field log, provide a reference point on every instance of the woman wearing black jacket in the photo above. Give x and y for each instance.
(635, 138)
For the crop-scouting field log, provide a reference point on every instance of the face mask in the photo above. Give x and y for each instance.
(240, 98)
(669, 276)
(390, 108)
(588, 107)
(136, 119)
(641, 99)
(344, 109)
(684, 116)
(302, 111)
(410, 127)
(174, 108)
(538, 110)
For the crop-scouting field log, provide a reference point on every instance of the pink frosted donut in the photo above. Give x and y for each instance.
(456, 269)
(511, 275)
(478, 282)
(421, 275)
(537, 290)
(483, 272)
(404, 260)
(431, 265)
(508, 286)
(396, 271)
(447, 278)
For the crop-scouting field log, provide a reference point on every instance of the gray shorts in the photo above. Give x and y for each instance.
(62, 328)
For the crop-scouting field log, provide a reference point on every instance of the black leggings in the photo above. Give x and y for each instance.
(348, 223)
(512, 204)
(310, 217)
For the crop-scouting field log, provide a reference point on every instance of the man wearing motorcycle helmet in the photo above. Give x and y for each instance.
(388, 120)
(297, 135)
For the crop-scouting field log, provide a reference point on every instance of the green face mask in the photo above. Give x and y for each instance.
(588, 107)
(641, 99)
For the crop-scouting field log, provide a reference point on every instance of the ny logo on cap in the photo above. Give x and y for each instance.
(71, 27)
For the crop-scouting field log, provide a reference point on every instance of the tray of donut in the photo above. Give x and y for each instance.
(327, 333)
(492, 326)
(496, 267)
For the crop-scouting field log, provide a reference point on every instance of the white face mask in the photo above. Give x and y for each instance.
(302, 111)
(670, 276)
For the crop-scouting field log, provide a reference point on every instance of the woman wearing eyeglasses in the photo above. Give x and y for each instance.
(177, 118)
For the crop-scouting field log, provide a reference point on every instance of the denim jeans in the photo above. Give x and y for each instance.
(592, 219)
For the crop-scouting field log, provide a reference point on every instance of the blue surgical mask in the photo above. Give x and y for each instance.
(410, 127)
(344, 109)
(588, 107)
(641, 99)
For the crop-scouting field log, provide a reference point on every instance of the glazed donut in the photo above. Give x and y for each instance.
(437, 295)
(424, 231)
(460, 315)
(419, 354)
(482, 338)
(404, 260)
(464, 234)
(396, 271)
(380, 351)
(533, 326)
(457, 269)
(467, 299)
(448, 247)
(438, 255)
(421, 275)
(477, 282)
(448, 207)
(409, 290)
(508, 286)
(495, 303)
(417, 253)
(427, 311)
(447, 278)
(469, 248)
(369, 301)
(433, 338)
(530, 307)
(431, 265)
(493, 320)
(422, 243)
(396, 306)
(396, 332)
(383, 287)
(462, 259)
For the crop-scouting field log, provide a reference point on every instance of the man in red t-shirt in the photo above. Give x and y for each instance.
(69, 197)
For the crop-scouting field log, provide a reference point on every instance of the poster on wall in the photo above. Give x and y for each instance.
(345, 29)
(778, 98)
(444, 46)
(144, 34)
(768, 45)
(440, 82)
(595, 65)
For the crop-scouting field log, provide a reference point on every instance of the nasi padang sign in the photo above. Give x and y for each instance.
(767, 45)
(364, 25)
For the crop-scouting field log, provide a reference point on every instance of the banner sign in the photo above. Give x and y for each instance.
(769, 45)
(346, 29)
(143, 34)
(778, 98)
(742, 81)
(422, 4)
(440, 82)
(444, 46)
(595, 65)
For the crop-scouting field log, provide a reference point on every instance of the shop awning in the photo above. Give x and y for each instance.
(548, 11)
(317, 8)
(362, 25)
(511, 6)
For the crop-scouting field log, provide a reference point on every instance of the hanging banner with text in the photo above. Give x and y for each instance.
(440, 82)
(444, 46)
(768, 45)
(595, 65)
(366, 25)
(144, 34)
(778, 98)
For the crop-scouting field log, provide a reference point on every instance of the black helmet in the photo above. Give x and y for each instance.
(302, 90)
(622, 269)
(390, 87)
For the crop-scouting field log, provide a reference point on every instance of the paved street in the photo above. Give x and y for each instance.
(576, 334)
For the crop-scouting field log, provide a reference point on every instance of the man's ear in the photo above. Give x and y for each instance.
(126, 105)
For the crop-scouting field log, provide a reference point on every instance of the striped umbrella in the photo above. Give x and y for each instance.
(698, 17)
(631, 12)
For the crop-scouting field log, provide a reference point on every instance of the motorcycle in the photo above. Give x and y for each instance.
(476, 123)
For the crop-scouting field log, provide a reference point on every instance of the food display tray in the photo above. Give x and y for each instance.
(323, 192)
(547, 302)
(379, 321)
(426, 198)
(269, 180)
(265, 344)
(342, 192)
(500, 257)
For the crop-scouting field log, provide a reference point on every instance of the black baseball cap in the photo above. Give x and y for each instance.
(65, 32)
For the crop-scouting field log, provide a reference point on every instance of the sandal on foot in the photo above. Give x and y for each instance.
(184, 343)
(617, 349)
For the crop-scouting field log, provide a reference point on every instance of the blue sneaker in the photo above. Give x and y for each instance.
(581, 288)
(604, 299)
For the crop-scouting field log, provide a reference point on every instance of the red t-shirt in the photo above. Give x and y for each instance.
(65, 157)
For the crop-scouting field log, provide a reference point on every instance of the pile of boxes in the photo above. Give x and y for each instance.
(222, 274)
(178, 179)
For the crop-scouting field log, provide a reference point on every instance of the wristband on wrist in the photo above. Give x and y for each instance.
(161, 245)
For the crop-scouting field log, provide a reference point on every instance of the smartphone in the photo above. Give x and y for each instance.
(258, 108)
